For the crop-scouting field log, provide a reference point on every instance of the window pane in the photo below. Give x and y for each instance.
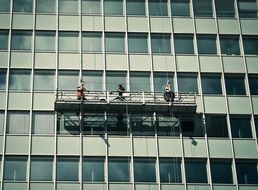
(196, 171)
(256, 125)
(68, 80)
(114, 79)
(229, 45)
(119, 170)
(91, 7)
(115, 42)
(43, 123)
(203, 8)
(144, 170)
(68, 41)
(135, 7)
(113, 7)
(235, 85)
(2, 79)
(22, 5)
(216, 126)
(67, 169)
(225, 8)
(207, 44)
(68, 124)
(170, 170)
(247, 172)
(15, 168)
(160, 43)
(5, 5)
(2, 116)
(45, 41)
(221, 172)
(247, 8)
(44, 80)
(184, 44)
(46, 6)
(117, 124)
(250, 45)
(160, 80)
(211, 84)
(18, 122)
(93, 169)
(94, 123)
(91, 42)
(19, 80)
(158, 8)
(93, 80)
(41, 168)
(253, 84)
(4, 40)
(140, 82)
(138, 43)
(187, 83)
(68, 6)
(21, 40)
(142, 124)
(180, 7)
(241, 127)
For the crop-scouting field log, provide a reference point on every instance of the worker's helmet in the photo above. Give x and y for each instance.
(120, 85)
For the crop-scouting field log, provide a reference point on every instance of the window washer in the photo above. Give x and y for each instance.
(120, 91)
(81, 92)
(168, 94)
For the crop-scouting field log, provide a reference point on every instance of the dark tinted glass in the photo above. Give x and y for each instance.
(2, 79)
(184, 44)
(207, 44)
(119, 170)
(5, 5)
(229, 45)
(41, 169)
(216, 126)
(158, 8)
(211, 84)
(253, 84)
(241, 127)
(250, 45)
(160, 43)
(93, 169)
(247, 172)
(225, 8)
(247, 8)
(46, 6)
(256, 125)
(67, 169)
(235, 85)
(4, 39)
(135, 7)
(21, 40)
(137, 43)
(221, 172)
(22, 5)
(144, 170)
(91, 7)
(160, 79)
(115, 42)
(170, 170)
(203, 8)
(15, 168)
(180, 7)
(113, 7)
(196, 171)
(187, 83)
(140, 81)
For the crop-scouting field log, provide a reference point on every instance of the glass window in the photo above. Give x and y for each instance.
(5, 5)
(135, 7)
(160, 43)
(93, 169)
(68, 41)
(18, 122)
(94, 123)
(43, 123)
(216, 126)
(22, 5)
(44, 80)
(250, 45)
(203, 8)
(158, 8)
(183, 44)
(68, 124)
(67, 169)
(115, 42)
(119, 170)
(113, 7)
(117, 124)
(114, 79)
(139, 82)
(206, 44)
(91, 42)
(170, 170)
(142, 124)
(253, 84)
(160, 79)
(221, 171)
(45, 41)
(247, 8)
(195, 171)
(46, 6)
(4, 39)
(67, 80)
(68, 6)
(144, 170)
(41, 169)
(256, 125)
(235, 85)
(21, 40)
(229, 45)
(187, 83)
(2, 79)
(211, 84)
(93, 80)
(247, 172)
(225, 8)
(19, 80)
(192, 127)
(15, 168)
(91, 7)
(180, 8)
(138, 43)
(2, 116)
(241, 127)
(167, 125)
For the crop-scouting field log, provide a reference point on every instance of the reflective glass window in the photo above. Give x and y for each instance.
(195, 171)
(22, 5)
(68, 124)
(113, 79)
(183, 44)
(15, 168)
(21, 40)
(211, 84)
(250, 45)
(142, 124)
(2, 116)
(5, 5)
(139, 82)
(256, 125)
(144, 170)
(160, 80)
(253, 84)
(180, 8)
(113, 7)
(115, 42)
(91, 42)
(160, 43)
(235, 85)
(68, 6)
(247, 8)
(117, 123)
(93, 80)
(167, 125)
(170, 170)
(67, 80)
(119, 170)
(138, 43)
(93, 169)
(43, 123)
(67, 169)
(241, 127)
(225, 8)
(19, 80)
(94, 123)
(158, 8)
(44, 80)
(221, 171)
(68, 41)
(187, 83)
(46, 6)
(45, 41)
(203, 8)
(216, 126)
(91, 7)
(229, 45)
(247, 171)
(18, 122)
(206, 44)
(4, 39)
(2, 79)
(135, 7)
(41, 169)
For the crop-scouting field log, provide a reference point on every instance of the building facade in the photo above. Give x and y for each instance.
(205, 48)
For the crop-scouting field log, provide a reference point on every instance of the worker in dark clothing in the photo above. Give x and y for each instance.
(168, 94)
(120, 91)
